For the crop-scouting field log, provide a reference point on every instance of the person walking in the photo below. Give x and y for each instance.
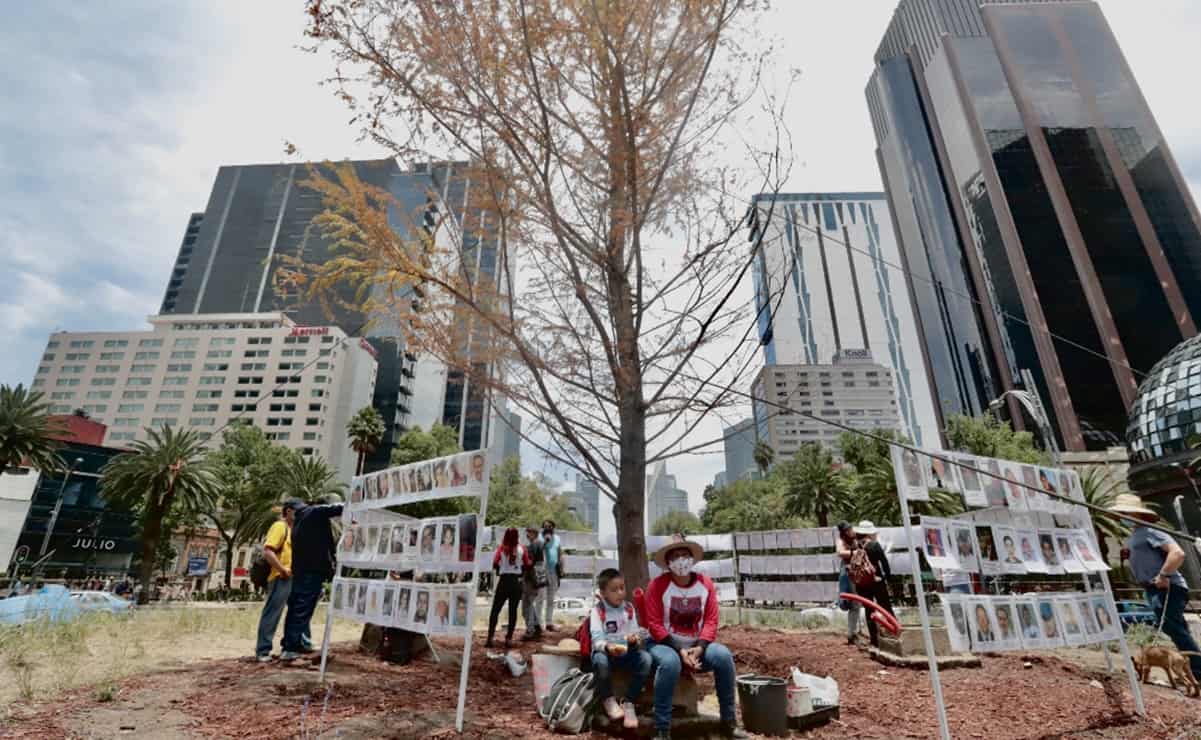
(509, 562)
(552, 552)
(277, 550)
(845, 545)
(1155, 561)
(878, 591)
(533, 586)
(313, 561)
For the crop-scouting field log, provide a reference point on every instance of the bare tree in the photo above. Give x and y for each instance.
(597, 134)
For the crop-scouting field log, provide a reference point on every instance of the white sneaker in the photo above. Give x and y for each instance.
(289, 655)
(631, 720)
(264, 658)
(612, 709)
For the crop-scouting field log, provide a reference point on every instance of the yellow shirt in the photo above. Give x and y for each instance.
(279, 539)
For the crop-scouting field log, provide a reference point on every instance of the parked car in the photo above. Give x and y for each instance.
(570, 608)
(1135, 612)
(101, 601)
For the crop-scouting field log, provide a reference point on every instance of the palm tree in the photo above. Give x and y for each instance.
(366, 429)
(25, 426)
(1100, 489)
(165, 472)
(311, 479)
(764, 456)
(813, 487)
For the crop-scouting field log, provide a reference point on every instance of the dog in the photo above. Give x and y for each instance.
(1173, 662)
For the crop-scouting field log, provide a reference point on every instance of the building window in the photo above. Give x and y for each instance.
(145, 356)
(110, 343)
(186, 342)
(318, 379)
(125, 422)
(204, 408)
(166, 408)
(60, 409)
(136, 381)
(252, 366)
(43, 370)
(170, 394)
(207, 421)
(311, 421)
(108, 368)
(208, 394)
(259, 340)
(81, 344)
(48, 357)
(212, 380)
(180, 367)
(62, 395)
(133, 394)
(294, 352)
(92, 395)
(317, 393)
(77, 356)
(279, 436)
(219, 341)
(117, 436)
(187, 354)
(217, 354)
(215, 367)
(150, 343)
(164, 422)
(323, 366)
(246, 394)
(141, 368)
(72, 369)
(112, 356)
(131, 408)
(53, 344)
(256, 353)
(310, 436)
(39, 382)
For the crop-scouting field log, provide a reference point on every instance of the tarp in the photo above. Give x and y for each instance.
(52, 602)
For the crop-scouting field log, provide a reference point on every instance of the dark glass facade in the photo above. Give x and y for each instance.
(1076, 231)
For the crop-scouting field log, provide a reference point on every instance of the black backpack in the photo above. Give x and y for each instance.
(260, 569)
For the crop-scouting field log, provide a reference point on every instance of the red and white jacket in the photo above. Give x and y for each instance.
(682, 617)
(505, 567)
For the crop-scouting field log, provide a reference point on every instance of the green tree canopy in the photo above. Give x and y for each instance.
(366, 430)
(516, 500)
(763, 455)
(165, 471)
(684, 522)
(988, 436)
(747, 506)
(416, 445)
(25, 424)
(310, 478)
(871, 482)
(1100, 489)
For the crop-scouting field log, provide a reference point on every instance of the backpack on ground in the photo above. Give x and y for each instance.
(260, 569)
(571, 703)
(860, 569)
(583, 633)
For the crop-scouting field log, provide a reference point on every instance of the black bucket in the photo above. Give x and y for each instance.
(764, 701)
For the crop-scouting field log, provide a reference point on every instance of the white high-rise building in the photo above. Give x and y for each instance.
(828, 267)
(300, 384)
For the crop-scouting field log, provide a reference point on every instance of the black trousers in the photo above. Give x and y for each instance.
(508, 589)
(878, 592)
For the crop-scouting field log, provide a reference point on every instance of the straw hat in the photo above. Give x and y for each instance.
(1128, 503)
(866, 527)
(677, 542)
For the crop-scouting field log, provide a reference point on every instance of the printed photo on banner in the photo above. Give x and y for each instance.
(1048, 481)
(1067, 556)
(441, 619)
(936, 544)
(360, 601)
(1092, 631)
(360, 541)
(337, 600)
(384, 547)
(994, 484)
(1036, 501)
(404, 597)
(1015, 495)
(352, 590)
(1031, 552)
(1046, 546)
(421, 610)
(400, 535)
(459, 615)
(964, 538)
(955, 618)
(468, 526)
(1107, 623)
(1069, 619)
(429, 536)
(990, 563)
(1048, 617)
(1082, 544)
(448, 550)
(1007, 624)
(356, 491)
(375, 597)
(1031, 633)
(910, 473)
(1011, 558)
(985, 633)
(943, 476)
(973, 487)
(346, 543)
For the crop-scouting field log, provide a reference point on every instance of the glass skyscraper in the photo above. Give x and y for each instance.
(1050, 237)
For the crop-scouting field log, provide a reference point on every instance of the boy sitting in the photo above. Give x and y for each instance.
(617, 642)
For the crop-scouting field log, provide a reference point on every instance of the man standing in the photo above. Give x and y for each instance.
(533, 587)
(1155, 561)
(554, 570)
(682, 615)
(277, 550)
(313, 561)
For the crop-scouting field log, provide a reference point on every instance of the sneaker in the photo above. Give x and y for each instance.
(631, 720)
(263, 658)
(288, 655)
(612, 709)
(551, 628)
(529, 636)
(662, 734)
(732, 730)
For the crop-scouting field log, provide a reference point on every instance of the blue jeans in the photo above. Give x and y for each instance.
(1174, 624)
(717, 658)
(273, 609)
(302, 602)
(637, 662)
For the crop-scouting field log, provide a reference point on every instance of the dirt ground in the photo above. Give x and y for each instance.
(370, 699)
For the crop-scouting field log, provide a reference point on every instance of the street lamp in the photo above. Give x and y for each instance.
(58, 505)
(1034, 407)
(1184, 469)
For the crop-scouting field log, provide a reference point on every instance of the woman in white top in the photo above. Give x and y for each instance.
(510, 560)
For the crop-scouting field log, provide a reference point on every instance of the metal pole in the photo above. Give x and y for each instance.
(58, 505)
(475, 586)
(329, 624)
(927, 638)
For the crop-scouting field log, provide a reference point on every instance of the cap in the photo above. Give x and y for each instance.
(292, 503)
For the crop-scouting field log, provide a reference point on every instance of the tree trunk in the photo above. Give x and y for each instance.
(630, 510)
(150, 537)
(358, 468)
(823, 518)
(229, 564)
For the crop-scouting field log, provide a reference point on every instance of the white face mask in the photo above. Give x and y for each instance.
(682, 565)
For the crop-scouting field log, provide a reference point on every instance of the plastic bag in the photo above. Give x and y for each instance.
(823, 692)
(515, 662)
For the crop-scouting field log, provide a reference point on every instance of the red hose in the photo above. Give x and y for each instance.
(877, 615)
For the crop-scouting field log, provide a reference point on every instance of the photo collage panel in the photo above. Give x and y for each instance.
(429, 608)
(985, 483)
(464, 474)
(1027, 621)
(992, 549)
(437, 544)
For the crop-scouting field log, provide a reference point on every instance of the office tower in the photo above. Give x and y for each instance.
(257, 214)
(663, 496)
(827, 285)
(739, 447)
(1052, 242)
(851, 391)
(585, 502)
(198, 372)
(510, 434)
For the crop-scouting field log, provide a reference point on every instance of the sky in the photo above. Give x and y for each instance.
(117, 115)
